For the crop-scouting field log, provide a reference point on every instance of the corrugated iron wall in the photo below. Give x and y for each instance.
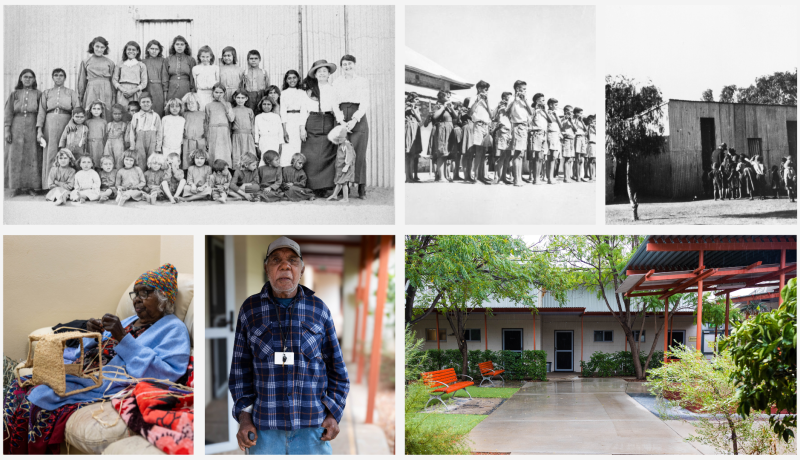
(678, 174)
(62, 35)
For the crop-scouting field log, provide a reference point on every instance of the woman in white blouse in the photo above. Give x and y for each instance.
(353, 94)
(294, 111)
(319, 151)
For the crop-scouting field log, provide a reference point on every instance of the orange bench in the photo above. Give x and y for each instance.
(444, 382)
(488, 371)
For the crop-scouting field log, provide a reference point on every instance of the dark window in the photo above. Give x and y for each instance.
(472, 335)
(416, 77)
(430, 335)
(636, 336)
(603, 336)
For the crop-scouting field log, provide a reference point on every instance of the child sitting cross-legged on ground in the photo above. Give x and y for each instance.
(174, 181)
(154, 178)
(245, 181)
(108, 177)
(130, 179)
(345, 158)
(87, 182)
(220, 181)
(271, 177)
(294, 180)
(61, 178)
(197, 187)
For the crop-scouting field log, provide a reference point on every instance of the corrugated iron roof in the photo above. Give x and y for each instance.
(418, 62)
(643, 259)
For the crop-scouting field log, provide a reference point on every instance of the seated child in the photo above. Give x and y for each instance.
(174, 181)
(345, 157)
(108, 177)
(245, 181)
(130, 179)
(154, 179)
(61, 178)
(716, 178)
(87, 182)
(294, 180)
(220, 181)
(271, 177)
(197, 187)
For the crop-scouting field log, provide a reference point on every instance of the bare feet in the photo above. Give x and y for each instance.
(344, 200)
(82, 200)
(331, 198)
(103, 198)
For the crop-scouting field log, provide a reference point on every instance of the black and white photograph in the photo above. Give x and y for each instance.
(199, 114)
(500, 110)
(701, 124)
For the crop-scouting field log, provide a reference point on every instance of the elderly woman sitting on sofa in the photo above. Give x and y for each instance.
(154, 344)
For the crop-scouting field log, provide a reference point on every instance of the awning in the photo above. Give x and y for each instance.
(430, 93)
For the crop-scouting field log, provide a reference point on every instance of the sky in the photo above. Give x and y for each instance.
(686, 49)
(552, 48)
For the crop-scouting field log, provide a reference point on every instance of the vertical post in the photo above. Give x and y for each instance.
(485, 330)
(437, 328)
(581, 341)
(783, 277)
(534, 331)
(365, 307)
(699, 339)
(727, 310)
(380, 304)
(362, 257)
(666, 326)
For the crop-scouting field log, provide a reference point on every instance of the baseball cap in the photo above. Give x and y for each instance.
(283, 242)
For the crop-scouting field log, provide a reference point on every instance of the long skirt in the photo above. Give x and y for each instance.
(122, 100)
(156, 91)
(359, 137)
(319, 151)
(441, 139)
(23, 155)
(204, 97)
(31, 429)
(99, 88)
(219, 144)
(178, 87)
(293, 123)
(54, 126)
(413, 138)
(242, 142)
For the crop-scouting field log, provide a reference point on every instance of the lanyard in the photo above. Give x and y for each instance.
(280, 326)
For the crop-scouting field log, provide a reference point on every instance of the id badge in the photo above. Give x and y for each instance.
(284, 359)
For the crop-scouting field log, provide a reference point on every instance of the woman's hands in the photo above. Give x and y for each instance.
(303, 134)
(8, 136)
(108, 322)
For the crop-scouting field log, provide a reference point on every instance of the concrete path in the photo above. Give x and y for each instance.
(581, 416)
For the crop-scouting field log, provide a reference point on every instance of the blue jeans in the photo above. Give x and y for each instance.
(304, 441)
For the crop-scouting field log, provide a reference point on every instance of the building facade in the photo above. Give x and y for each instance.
(693, 129)
(43, 38)
(568, 333)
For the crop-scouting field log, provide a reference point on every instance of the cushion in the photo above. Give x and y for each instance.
(135, 445)
(88, 435)
(184, 303)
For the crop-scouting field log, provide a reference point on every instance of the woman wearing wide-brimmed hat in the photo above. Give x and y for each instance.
(319, 151)
(351, 111)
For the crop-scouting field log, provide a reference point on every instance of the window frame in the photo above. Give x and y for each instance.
(479, 339)
(442, 334)
(604, 336)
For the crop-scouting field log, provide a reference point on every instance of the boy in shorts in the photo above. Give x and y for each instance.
(537, 136)
(519, 114)
(481, 116)
(502, 139)
(554, 136)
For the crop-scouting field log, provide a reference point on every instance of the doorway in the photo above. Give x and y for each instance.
(791, 131)
(512, 340)
(563, 351)
(678, 338)
(708, 141)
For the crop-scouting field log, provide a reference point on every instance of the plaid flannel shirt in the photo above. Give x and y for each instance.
(287, 397)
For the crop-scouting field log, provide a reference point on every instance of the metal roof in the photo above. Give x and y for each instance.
(681, 259)
(722, 279)
(417, 62)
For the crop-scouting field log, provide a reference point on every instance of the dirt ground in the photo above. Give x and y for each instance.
(707, 212)
(377, 209)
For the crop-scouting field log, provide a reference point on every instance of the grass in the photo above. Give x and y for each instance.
(478, 392)
(456, 423)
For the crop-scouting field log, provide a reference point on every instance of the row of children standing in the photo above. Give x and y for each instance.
(464, 133)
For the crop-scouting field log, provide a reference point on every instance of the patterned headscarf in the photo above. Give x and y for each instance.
(164, 278)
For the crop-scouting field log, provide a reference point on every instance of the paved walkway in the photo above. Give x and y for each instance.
(578, 416)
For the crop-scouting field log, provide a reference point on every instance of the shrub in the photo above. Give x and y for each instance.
(528, 364)
(619, 363)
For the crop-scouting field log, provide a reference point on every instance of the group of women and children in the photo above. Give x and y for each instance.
(732, 175)
(181, 129)
(509, 136)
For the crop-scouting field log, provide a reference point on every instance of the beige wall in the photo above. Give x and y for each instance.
(546, 326)
(56, 279)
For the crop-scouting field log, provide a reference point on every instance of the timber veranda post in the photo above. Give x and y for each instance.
(699, 338)
(666, 328)
(365, 307)
(380, 304)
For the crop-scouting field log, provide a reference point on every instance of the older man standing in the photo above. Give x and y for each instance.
(288, 378)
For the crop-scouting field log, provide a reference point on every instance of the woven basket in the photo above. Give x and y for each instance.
(48, 364)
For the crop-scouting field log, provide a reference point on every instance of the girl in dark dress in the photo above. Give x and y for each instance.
(157, 75)
(319, 151)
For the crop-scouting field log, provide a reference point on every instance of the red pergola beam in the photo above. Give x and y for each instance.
(773, 295)
(641, 280)
(689, 282)
(720, 246)
(777, 273)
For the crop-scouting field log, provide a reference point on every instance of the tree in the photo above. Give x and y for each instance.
(454, 274)
(778, 88)
(764, 351)
(751, 308)
(633, 123)
(708, 95)
(728, 94)
(705, 387)
(595, 262)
